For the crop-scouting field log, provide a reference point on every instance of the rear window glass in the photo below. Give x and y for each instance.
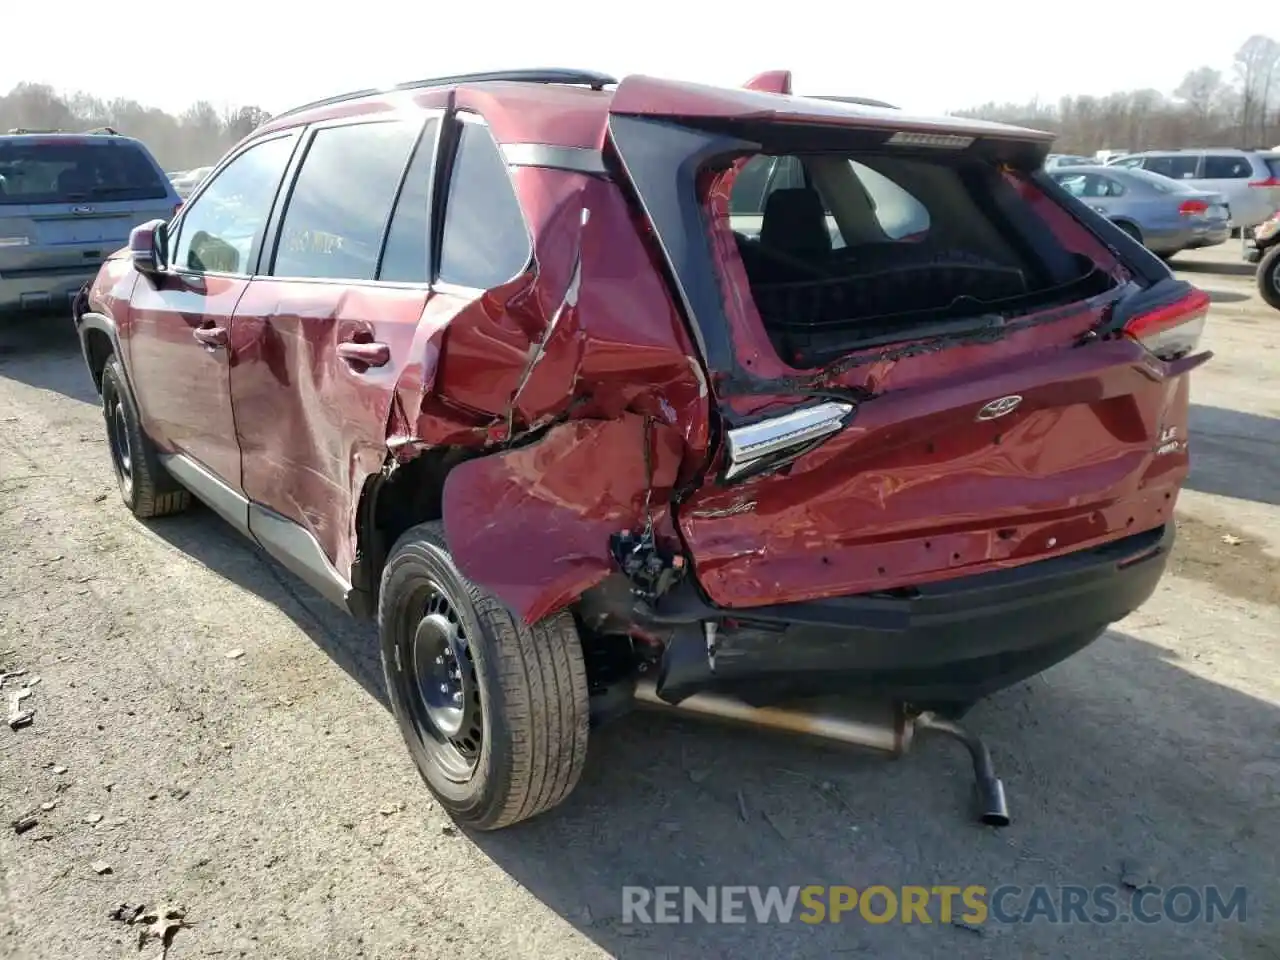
(76, 171)
(1273, 165)
(842, 251)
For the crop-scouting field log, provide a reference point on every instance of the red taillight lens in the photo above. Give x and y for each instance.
(1269, 182)
(1192, 208)
(1173, 330)
(177, 209)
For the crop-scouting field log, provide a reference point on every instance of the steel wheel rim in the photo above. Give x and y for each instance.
(121, 452)
(444, 685)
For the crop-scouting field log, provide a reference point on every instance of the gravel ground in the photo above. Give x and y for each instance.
(268, 795)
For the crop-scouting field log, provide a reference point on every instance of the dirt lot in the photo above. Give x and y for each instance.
(269, 796)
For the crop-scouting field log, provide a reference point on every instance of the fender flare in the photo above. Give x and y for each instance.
(93, 321)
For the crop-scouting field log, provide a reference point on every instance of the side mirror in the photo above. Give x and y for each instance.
(149, 247)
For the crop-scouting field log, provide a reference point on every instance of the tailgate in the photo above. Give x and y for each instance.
(943, 388)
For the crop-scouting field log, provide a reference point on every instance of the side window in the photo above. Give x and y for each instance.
(407, 256)
(218, 230)
(1110, 188)
(485, 241)
(1073, 183)
(1175, 166)
(747, 196)
(332, 227)
(1131, 162)
(1227, 168)
(899, 214)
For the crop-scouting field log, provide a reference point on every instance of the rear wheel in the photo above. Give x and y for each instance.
(493, 711)
(1131, 230)
(145, 486)
(1269, 277)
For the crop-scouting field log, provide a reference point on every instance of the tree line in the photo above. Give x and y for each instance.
(1209, 108)
(1240, 108)
(196, 137)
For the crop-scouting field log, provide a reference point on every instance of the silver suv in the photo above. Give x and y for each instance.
(67, 201)
(1250, 180)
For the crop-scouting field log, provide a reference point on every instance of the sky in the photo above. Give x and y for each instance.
(922, 55)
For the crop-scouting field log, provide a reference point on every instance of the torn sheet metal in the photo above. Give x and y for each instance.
(533, 525)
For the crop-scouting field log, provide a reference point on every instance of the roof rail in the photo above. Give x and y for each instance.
(109, 131)
(19, 131)
(585, 78)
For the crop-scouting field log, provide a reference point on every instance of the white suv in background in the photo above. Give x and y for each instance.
(1250, 180)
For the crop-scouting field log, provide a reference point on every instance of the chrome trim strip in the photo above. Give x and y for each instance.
(754, 442)
(575, 159)
(219, 497)
(299, 552)
(291, 544)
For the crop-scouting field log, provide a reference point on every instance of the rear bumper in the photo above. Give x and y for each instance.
(43, 291)
(1187, 237)
(950, 642)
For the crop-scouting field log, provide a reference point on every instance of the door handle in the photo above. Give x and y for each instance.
(211, 336)
(367, 354)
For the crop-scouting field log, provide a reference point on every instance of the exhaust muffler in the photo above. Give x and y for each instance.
(888, 728)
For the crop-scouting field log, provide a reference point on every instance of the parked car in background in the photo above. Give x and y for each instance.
(186, 182)
(1056, 160)
(1263, 248)
(66, 202)
(1167, 216)
(487, 359)
(1248, 179)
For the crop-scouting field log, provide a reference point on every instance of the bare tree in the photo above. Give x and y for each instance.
(1206, 109)
(198, 137)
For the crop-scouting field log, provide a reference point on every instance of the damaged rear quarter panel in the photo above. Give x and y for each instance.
(532, 525)
(591, 338)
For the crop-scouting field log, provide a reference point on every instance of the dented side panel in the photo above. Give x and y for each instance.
(312, 426)
(532, 525)
(588, 349)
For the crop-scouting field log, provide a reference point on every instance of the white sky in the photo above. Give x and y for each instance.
(919, 54)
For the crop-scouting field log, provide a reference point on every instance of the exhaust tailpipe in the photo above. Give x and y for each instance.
(884, 727)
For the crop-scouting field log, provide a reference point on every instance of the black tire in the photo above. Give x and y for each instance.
(1269, 277)
(1131, 230)
(507, 739)
(146, 487)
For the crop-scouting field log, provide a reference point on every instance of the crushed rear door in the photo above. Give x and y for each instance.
(916, 412)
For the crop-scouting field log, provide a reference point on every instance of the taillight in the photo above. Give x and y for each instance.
(1193, 208)
(1173, 330)
(177, 209)
(1269, 182)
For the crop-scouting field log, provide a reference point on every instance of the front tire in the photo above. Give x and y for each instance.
(494, 712)
(145, 486)
(1269, 277)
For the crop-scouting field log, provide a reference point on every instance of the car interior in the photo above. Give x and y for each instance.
(846, 252)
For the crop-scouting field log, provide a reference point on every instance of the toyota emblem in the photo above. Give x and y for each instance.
(999, 408)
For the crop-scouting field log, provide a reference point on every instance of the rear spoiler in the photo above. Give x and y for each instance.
(779, 81)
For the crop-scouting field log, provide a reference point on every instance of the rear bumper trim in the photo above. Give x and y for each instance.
(956, 640)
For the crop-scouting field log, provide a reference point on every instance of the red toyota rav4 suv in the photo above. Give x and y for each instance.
(595, 391)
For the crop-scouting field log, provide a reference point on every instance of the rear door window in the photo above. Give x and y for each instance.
(72, 170)
(485, 241)
(341, 200)
(407, 257)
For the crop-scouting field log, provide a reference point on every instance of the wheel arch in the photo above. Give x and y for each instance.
(99, 341)
(391, 501)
